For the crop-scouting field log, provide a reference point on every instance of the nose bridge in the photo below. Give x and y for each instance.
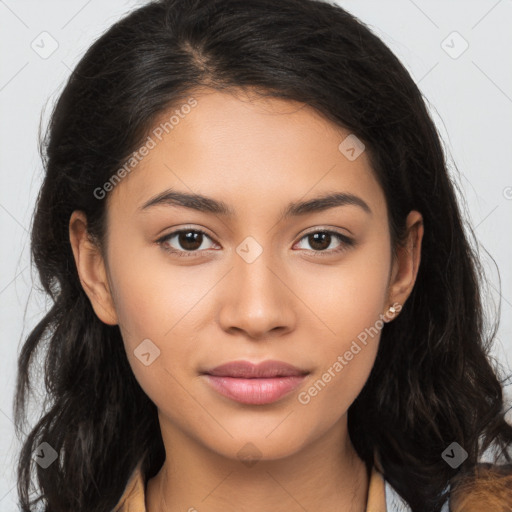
(257, 300)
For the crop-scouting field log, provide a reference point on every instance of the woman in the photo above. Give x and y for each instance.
(207, 348)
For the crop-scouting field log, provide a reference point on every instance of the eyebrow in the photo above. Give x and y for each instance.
(206, 204)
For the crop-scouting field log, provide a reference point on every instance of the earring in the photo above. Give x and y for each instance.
(392, 310)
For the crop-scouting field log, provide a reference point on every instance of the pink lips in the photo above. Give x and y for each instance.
(258, 384)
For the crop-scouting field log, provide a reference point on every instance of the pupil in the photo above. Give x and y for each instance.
(322, 236)
(188, 240)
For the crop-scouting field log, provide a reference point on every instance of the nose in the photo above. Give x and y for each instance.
(257, 299)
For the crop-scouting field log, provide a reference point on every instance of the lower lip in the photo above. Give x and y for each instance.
(254, 391)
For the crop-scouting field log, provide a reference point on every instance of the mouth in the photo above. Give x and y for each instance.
(255, 384)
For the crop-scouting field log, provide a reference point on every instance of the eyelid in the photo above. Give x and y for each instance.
(324, 229)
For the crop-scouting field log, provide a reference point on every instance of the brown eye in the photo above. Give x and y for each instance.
(184, 241)
(320, 241)
(189, 240)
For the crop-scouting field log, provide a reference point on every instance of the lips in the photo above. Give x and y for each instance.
(255, 384)
(248, 370)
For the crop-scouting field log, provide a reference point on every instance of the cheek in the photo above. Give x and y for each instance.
(150, 324)
(350, 297)
(345, 366)
(151, 295)
(156, 307)
(350, 302)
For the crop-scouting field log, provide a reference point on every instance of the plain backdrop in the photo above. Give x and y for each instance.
(458, 52)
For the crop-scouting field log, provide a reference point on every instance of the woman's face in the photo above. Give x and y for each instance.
(258, 284)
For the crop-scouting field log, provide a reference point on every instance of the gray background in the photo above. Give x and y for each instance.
(469, 92)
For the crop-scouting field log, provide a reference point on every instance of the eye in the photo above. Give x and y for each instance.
(189, 242)
(321, 240)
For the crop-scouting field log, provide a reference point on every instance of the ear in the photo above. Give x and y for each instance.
(91, 269)
(406, 263)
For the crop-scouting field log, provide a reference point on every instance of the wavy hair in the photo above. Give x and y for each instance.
(433, 381)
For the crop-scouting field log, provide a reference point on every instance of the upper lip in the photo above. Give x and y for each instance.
(247, 370)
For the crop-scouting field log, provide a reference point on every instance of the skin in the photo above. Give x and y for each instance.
(290, 304)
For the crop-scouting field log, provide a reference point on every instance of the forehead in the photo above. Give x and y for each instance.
(246, 150)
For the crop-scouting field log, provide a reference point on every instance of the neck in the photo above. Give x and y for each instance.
(326, 475)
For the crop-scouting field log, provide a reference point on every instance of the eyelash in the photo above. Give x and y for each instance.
(345, 244)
